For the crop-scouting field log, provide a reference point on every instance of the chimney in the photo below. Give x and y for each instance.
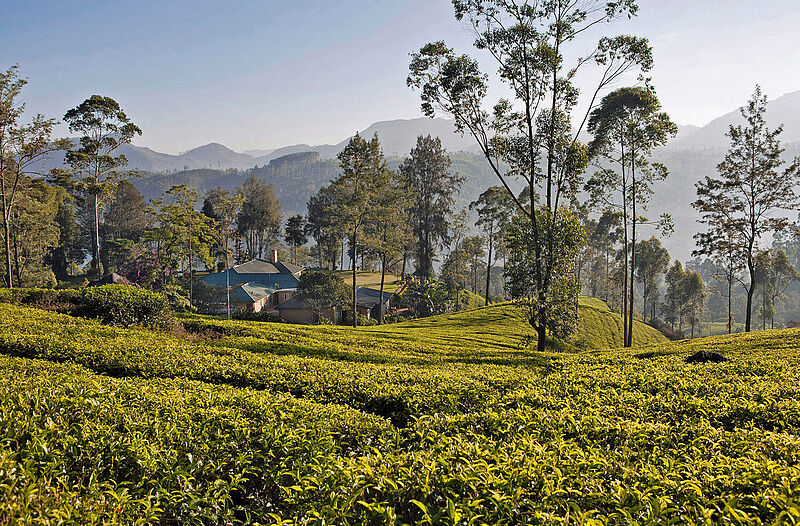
(274, 256)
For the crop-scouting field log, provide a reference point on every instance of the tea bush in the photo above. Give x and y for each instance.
(413, 423)
(124, 305)
(65, 299)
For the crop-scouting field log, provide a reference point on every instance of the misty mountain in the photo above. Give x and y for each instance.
(298, 171)
(783, 110)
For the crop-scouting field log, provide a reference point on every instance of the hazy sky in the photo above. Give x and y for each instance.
(264, 74)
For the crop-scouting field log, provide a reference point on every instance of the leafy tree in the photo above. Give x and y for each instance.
(125, 216)
(652, 260)
(224, 207)
(426, 298)
(720, 243)
(212, 208)
(495, 209)
(694, 299)
(182, 233)
(774, 274)
(35, 233)
(389, 232)
(322, 289)
(749, 196)
(363, 179)
(321, 226)
(296, 234)
(534, 136)
(93, 169)
(427, 171)
(455, 274)
(473, 248)
(260, 217)
(69, 251)
(522, 279)
(22, 148)
(671, 308)
(125, 221)
(627, 125)
(603, 236)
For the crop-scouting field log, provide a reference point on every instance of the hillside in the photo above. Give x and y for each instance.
(108, 425)
(371, 280)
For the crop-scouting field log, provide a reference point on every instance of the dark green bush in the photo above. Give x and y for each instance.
(364, 321)
(394, 318)
(51, 299)
(124, 305)
(177, 297)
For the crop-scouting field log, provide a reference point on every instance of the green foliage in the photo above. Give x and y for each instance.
(321, 289)
(177, 297)
(124, 305)
(749, 197)
(553, 308)
(427, 172)
(93, 169)
(260, 217)
(611, 437)
(50, 299)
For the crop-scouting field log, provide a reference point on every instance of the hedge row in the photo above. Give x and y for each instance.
(112, 304)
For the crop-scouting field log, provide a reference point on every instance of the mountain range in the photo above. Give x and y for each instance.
(690, 156)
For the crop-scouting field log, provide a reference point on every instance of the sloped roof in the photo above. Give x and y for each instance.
(257, 266)
(252, 292)
(274, 275)
(368, 298)
(288, 267)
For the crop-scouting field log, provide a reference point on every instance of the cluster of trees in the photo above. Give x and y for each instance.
(375, 215)
(748, 199)
(578, 221)
(88, 211)
(533, 135)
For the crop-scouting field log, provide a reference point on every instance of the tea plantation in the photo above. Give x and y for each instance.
(448, 420)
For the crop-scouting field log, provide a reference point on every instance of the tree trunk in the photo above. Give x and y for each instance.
(749, 308)
(541, 333)
(227, 280)
(96, 236)
(355, 300)
(191, 267)
(629, 343)
(7, 239)
(730, 293)
(488, 271)
(625, 285)
(383, 277)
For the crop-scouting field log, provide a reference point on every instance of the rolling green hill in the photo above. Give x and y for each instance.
(445, 420)
(599, 328)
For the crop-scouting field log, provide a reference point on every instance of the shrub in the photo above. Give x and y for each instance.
(364, 321)
(394, 318)
(665, 329)
(124, 305)
(177, 297)
(50, 299)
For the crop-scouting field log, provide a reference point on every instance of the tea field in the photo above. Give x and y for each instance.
(449, 420)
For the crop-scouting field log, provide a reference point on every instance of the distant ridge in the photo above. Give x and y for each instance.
(783, 110)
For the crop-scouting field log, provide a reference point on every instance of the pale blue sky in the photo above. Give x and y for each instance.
(264, 74)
